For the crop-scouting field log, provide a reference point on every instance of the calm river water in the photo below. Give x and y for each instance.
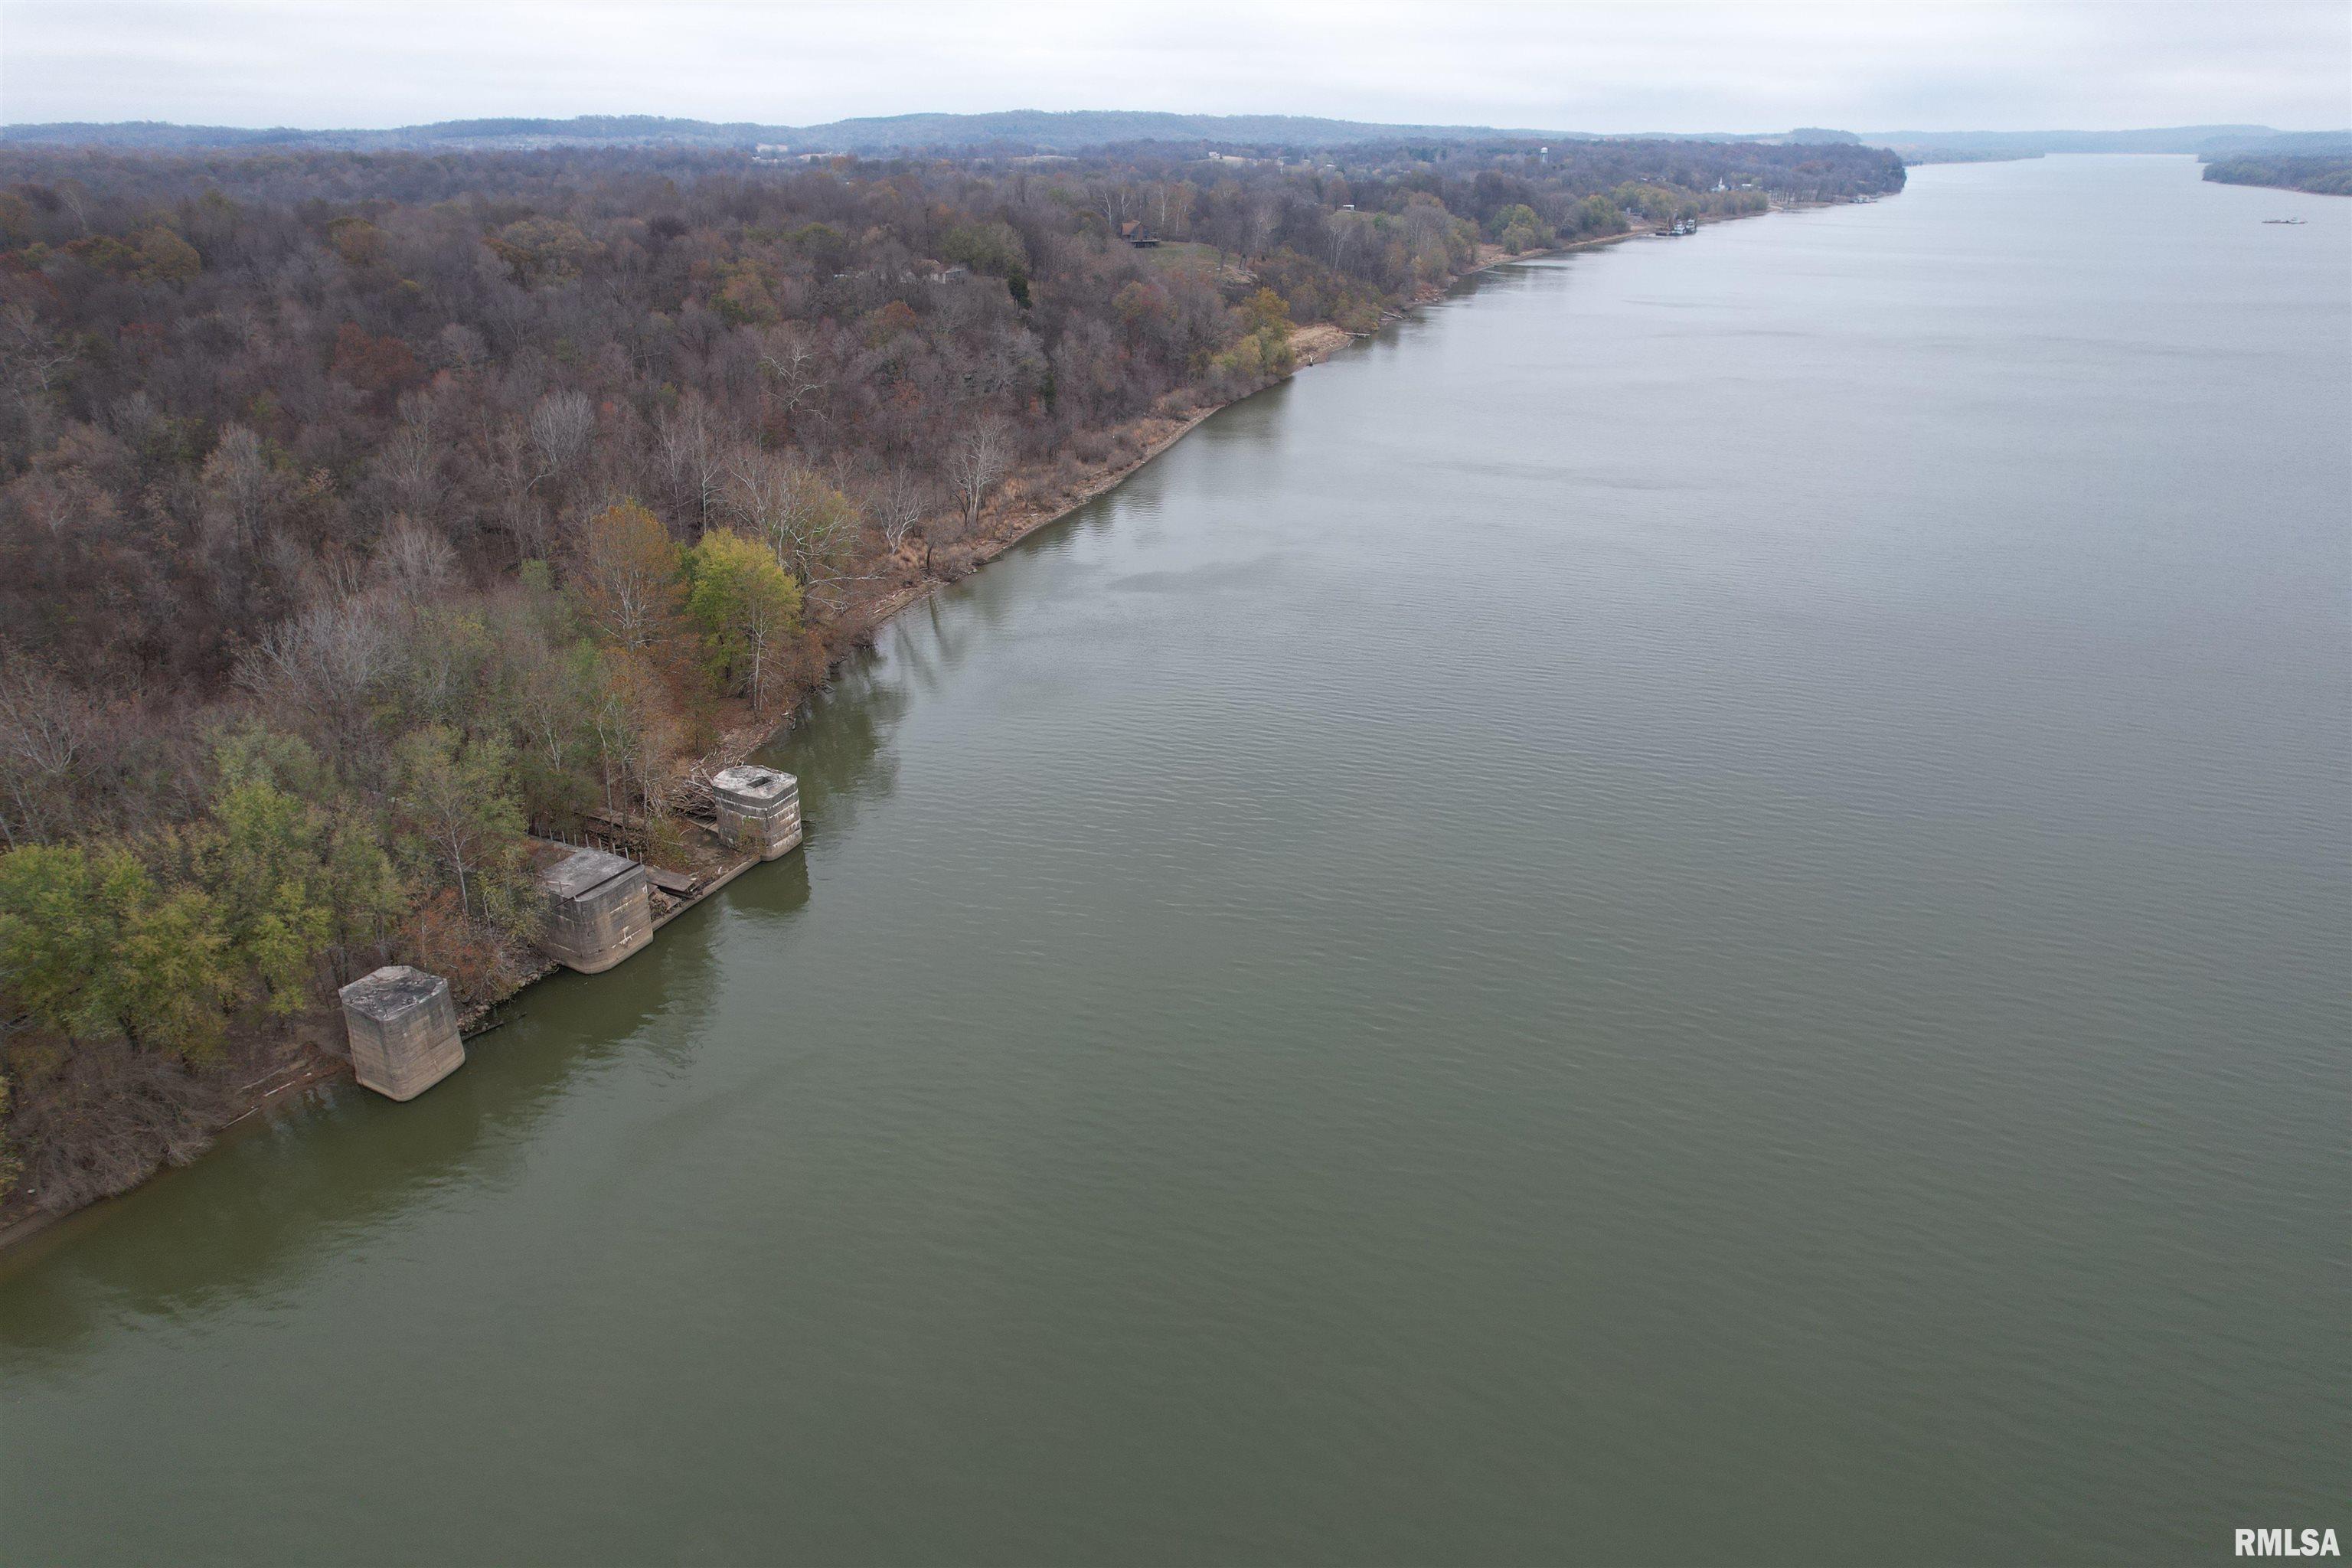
(1696, 909)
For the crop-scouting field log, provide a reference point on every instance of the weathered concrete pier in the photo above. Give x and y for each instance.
(758, 810)
(597, 910)
(403, 1031)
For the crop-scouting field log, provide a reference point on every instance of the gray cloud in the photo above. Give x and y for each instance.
(1646, 67)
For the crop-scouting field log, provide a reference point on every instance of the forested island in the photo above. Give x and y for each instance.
(364, 514)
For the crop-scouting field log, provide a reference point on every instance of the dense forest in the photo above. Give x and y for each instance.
(363, 514)
(2321, 174)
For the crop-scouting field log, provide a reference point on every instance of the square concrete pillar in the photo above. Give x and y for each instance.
(758, 810)
(403, 1030)
(597, 910)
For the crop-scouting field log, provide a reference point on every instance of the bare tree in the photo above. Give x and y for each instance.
(898, 505)
(45, 728)
(514, 475)
(459, 347)
(1110, 197)
(794, 371)
(326, 665)
(409, 464)
(237, 486)
(1263, 216)
(413, 561)
(31, 358)
(694, 453)
(978, 463)
(560, 428)
(810, 525)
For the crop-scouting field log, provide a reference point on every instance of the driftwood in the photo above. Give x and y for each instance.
(691, 796)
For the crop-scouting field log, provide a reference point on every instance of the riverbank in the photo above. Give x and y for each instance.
(271, 1073)
(1310, 346)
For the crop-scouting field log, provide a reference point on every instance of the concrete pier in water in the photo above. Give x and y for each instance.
(758, 810)
(597, 910)
(403, 1030)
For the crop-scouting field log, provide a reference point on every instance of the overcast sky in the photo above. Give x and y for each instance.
(2109, 64)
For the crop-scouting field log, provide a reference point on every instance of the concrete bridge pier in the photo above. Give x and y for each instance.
(758, 810)
(597, 910)
(403, 1030)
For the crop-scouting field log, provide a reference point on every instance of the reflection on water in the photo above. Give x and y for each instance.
(839, 746)
(339, 1163)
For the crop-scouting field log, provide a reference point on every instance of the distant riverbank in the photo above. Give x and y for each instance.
(2327, 174)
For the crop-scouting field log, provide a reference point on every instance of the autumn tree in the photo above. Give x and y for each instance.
(630, 586)
(304, 437)
(747, 607)
(810, 525)
(633, 724)
(542, 250)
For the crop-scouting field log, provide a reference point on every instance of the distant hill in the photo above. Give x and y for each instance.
(596, 130)
(1022, 129)
(1070, 130)
(2291, 144)
(1027, 129)
(1950, 146)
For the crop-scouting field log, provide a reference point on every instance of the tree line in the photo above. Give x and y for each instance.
(2321, 174)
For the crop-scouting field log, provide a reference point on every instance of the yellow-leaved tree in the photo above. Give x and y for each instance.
(749, 608)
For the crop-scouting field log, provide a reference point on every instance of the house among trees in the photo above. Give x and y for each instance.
(1137, 233)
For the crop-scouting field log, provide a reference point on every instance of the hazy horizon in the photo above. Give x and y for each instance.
(1619, 68)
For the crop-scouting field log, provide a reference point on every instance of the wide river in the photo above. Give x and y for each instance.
(1696, 907)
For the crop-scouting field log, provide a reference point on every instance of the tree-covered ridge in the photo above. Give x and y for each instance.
(2322, 174)
(360, 513)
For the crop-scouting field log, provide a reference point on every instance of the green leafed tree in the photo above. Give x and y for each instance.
(749, 608)
(261, 862)
(54, 939)
(457, 804)
(92, 945)
(172, 978)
